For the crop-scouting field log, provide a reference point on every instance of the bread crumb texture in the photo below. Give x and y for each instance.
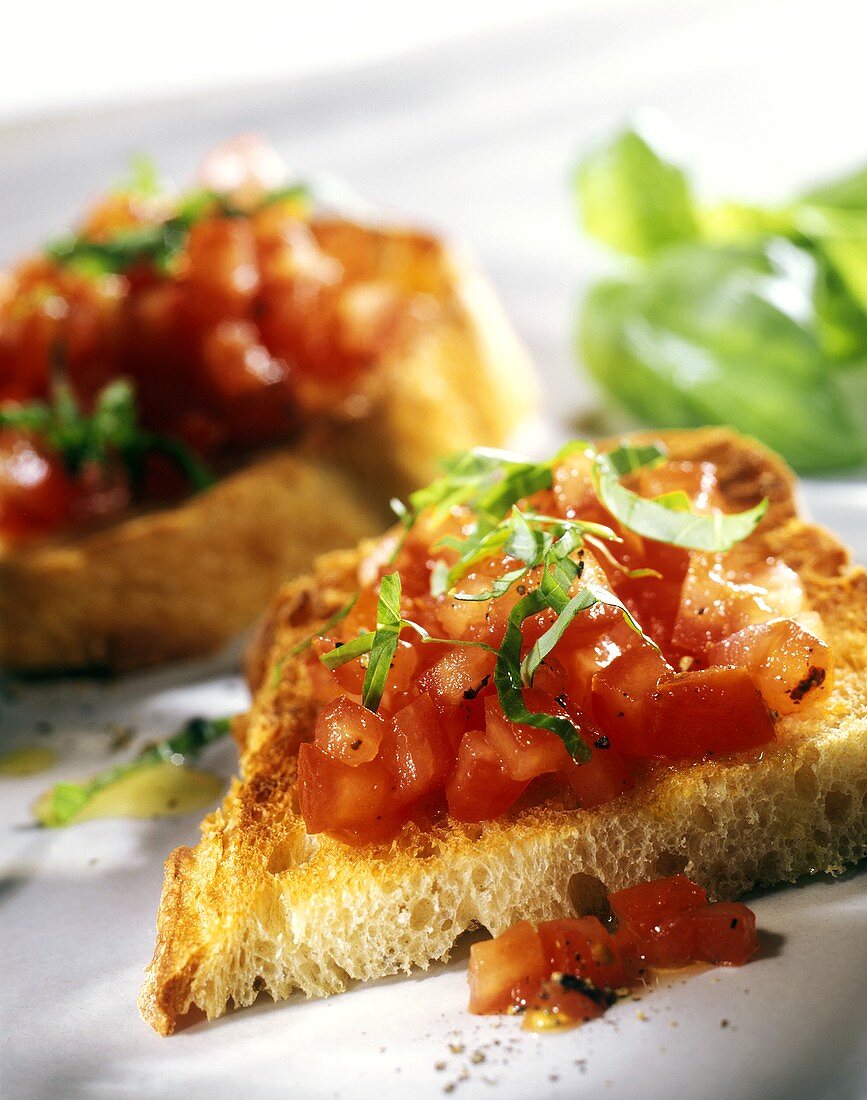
(258, 905)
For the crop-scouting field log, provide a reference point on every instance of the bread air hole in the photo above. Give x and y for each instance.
(838, 805)
(589, 896)
(422, 915)
(670, 863)
(806, 784)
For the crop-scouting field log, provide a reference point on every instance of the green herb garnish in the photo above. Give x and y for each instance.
(160, 244)
(65, 801)
(668, 518)
(754, 317)
(110, 431)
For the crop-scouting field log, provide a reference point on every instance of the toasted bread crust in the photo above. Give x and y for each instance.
(180, 581)
(258, 904)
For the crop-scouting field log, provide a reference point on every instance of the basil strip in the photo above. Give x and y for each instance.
(349, 651)
(65, 801)
(655, 519)
(507, 680)
(385, 639)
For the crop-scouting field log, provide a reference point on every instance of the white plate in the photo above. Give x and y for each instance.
(478, 138)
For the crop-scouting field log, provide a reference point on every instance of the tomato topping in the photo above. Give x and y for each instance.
(349, 732)
(560, 1003)
(524, 750)
(707, 713)
(725, 593)
(622, 694)
(336, 796)
(480, 786)
(419, 750)
(564, 972)
(583, 947)
(791, 666)
(454, 736)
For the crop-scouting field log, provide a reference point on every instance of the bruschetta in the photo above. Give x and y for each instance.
(631, 661)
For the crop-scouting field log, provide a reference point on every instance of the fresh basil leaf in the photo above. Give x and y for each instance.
(508, 682)
(110, 431)
(384, 642)
(632, 198)
(582, 601)
(655, 519)
(349, 651)
(65, 801)
(712, 335)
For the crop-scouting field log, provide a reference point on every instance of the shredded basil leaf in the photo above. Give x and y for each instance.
(508, 682)
(658, 519)
(384, 642)
(110, 430)
(65, 801)
(157, 245)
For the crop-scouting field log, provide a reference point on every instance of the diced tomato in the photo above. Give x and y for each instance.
(723, 933)
(724, 593)
(499, 966)
(622, 693)
(583, 946)
(480, 787)
(557, 1004)
(791, 667)
(645, 905)
(566, 971)
(708, 713)
(335, 796)
(524, 750)
(349, 732)
(605, 776)
(461, 674)
(582, 658)
(419, 750)
(36, 495)
(647, 928)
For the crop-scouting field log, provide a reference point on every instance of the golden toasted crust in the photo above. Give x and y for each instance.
(259, 905)
(180, 581)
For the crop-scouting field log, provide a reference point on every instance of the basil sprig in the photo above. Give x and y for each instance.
(62, 804)
(158, 245)
(110, 431)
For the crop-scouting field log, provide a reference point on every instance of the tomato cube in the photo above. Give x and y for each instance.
(419, 750)
(621, 698)
(334, 795)
(459, 676)
(525, 750)
(584, 947)
(723, 933)
(646, 904)
(708, 713)
(557, 1004)
(791, 667)
(480, 788)
(498, 967)
(605, 776)
(348, 732)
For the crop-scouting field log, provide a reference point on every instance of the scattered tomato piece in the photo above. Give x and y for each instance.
(565, 972)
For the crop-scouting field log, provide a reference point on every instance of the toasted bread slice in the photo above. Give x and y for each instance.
(258, 905)
(179, 581)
